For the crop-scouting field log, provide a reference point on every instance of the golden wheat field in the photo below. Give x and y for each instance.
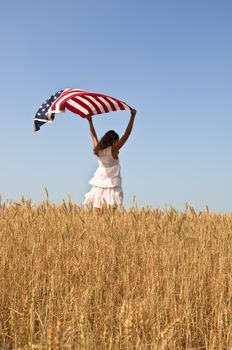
(135, 279)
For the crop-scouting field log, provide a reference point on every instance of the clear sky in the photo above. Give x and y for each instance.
(170, 59)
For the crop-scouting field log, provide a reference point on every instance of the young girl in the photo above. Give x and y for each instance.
(106, 183)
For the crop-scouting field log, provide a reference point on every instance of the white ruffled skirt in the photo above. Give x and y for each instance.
(99, 196)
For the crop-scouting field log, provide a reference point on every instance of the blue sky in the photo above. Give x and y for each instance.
(171, 60)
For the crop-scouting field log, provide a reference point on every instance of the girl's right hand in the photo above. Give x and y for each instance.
(133, 112)
(89, 117)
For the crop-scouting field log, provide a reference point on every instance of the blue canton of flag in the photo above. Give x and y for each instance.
(41, 115)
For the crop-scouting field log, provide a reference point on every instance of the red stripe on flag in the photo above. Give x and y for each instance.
(110, 103)
(119, 103)
(84, 105)
(94, 94)
(93, 103)
(75, 110)
(102, 103)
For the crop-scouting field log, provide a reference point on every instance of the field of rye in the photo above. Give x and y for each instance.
(137, 279)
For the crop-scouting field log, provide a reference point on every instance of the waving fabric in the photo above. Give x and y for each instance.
(78, 101)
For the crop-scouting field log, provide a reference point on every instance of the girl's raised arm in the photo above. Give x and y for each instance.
(92, 130)
(118, 144)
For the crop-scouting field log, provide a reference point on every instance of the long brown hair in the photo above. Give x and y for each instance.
(106, 141)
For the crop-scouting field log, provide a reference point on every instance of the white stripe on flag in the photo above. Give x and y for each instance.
(97, 103)
(106, 103)
(43, 120)
(125, 106)
(88, 103)
(77, 106)
(114, 102)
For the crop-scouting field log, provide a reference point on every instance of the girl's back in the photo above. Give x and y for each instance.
(105, 158)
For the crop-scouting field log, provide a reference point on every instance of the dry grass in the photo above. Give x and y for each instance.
(143, 279)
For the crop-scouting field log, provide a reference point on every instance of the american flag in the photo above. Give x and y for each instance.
(78, 101)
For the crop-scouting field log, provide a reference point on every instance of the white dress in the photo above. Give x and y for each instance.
(106, 183)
